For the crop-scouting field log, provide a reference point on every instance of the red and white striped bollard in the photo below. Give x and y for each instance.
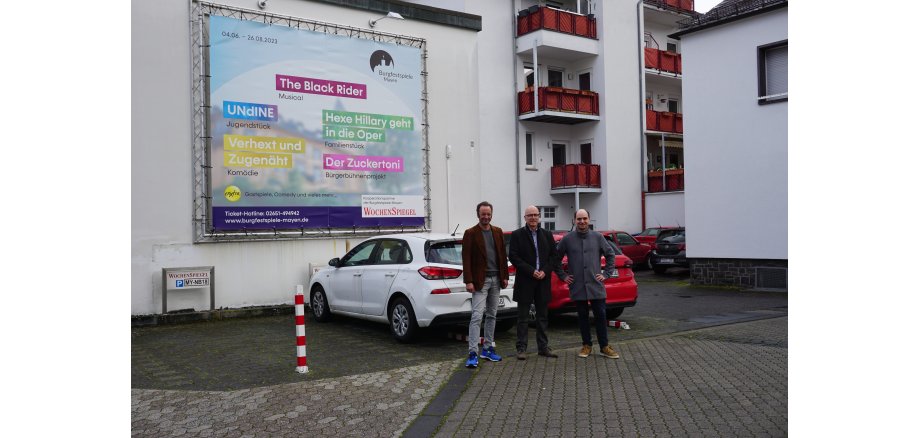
(301, 331)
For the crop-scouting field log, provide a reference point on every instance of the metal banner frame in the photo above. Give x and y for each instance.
(204, 231)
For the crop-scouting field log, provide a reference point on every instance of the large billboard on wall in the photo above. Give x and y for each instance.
(313, 130)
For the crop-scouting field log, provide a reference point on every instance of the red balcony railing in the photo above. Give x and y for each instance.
(664, 121)
(541, 17)
(662, 60)
(680, 5)
(575, 175)
(673, 181)
(560, 99)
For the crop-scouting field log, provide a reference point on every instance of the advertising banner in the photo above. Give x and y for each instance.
(313, 130)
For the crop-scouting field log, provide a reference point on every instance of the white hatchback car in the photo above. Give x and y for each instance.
(406, 280)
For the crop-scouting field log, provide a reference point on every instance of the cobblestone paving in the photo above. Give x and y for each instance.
(380, 404)
(725, 381)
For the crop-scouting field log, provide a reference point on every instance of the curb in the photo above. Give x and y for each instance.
(189, 316)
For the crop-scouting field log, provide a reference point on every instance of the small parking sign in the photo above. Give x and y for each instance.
(180, 283)
(188, 279)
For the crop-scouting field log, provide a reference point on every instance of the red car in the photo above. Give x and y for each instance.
(622, 291)
(649, 235)
(637, 251)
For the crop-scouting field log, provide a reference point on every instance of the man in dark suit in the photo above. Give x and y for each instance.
(532, 251)
(485, 272)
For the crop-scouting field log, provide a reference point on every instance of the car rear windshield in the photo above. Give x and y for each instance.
(679, 238)
(448, 252)
(668, 233)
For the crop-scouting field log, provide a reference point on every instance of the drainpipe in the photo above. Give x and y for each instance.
(640, 24)
(517, 123)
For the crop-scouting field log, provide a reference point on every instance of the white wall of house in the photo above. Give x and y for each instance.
(265, 273)
(664, 209)
(736, 150)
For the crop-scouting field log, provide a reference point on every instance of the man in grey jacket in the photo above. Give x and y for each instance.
(584, 249)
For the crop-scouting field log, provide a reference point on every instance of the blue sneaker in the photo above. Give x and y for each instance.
(473, 361)
(489, 353)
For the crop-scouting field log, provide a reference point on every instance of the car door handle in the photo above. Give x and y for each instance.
(390, 275)
(357, 275)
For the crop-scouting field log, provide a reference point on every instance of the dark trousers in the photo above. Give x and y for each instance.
(599, 309)
(523, 320)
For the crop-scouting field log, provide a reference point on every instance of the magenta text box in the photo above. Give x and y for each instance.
(296, 84)
(363, 163)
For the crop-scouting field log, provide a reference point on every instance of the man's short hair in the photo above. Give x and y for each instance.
(575, 215)
(483, 204)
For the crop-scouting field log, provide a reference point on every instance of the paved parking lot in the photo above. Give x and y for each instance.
(705, 359)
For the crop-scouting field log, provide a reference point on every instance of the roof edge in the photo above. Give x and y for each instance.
(771, 8)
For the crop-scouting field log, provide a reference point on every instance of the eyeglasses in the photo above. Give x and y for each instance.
(531, 215)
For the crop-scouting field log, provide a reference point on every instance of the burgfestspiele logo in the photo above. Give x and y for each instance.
(382, 59)
(232, 193)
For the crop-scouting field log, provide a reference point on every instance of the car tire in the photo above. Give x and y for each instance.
(319, 305)
(505, 325)
(402, 320)
(614, 312)
(660, 269)
(648, 263)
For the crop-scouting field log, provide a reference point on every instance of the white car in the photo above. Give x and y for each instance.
(406, 280)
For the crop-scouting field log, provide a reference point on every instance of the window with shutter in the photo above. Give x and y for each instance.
(773, 73)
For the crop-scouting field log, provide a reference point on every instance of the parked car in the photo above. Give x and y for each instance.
(637, 251)
(408, 281)
(649, 235)
(670, 250)
(622, 291)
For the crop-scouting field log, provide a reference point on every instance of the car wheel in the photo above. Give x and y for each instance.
(319, 305)
(402, 320)
(505, 325)
(648, 263)
(660, 269)
(614, 312)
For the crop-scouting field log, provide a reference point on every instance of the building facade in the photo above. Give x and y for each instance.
(736, 133)
(559, 104)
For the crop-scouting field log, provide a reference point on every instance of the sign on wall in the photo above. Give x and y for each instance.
(313, 130)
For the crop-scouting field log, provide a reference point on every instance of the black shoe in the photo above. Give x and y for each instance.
(521, 355)
(548, 353)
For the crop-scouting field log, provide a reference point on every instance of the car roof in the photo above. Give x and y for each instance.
(418, 236)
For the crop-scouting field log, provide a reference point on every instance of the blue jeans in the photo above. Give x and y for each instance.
(599, 309)
(484, 301)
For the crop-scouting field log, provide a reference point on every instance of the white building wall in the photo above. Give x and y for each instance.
(619, 130)
(664, 209)
(265, 273)
(736, 150)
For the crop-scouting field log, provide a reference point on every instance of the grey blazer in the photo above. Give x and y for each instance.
(584, 253)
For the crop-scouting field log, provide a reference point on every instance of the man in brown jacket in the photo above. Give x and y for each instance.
(485, 272)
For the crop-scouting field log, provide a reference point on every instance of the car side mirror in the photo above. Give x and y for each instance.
(334, 262)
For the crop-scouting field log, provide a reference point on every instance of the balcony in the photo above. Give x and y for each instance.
(664, 121)
(576, 176)
(541, 17)
(559, 105)
(662, 60)
(671, 180)
(681, 6)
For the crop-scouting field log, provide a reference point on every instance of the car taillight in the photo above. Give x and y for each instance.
(440, 291)
(682, 246)
(511, 270)
(436, 273)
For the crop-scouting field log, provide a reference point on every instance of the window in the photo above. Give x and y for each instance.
(673, 105)
(584, 81)
(624, 239)
(548, 217)
(558, 154)
(672, 47)
(528, 150)
(586, 153)
(772, 70)
(360, 255)
(394, 252)
(554, 78)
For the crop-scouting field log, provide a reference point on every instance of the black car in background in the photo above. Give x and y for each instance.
(670, 250)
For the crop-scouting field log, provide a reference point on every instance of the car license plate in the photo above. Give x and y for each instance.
(666, 261)
(501, 301)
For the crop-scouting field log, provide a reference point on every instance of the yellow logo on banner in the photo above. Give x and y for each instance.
(232, 193)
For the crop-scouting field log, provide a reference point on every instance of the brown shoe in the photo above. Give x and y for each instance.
(608, 351)
(522, 355)
(585, 351)
(548, 353)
